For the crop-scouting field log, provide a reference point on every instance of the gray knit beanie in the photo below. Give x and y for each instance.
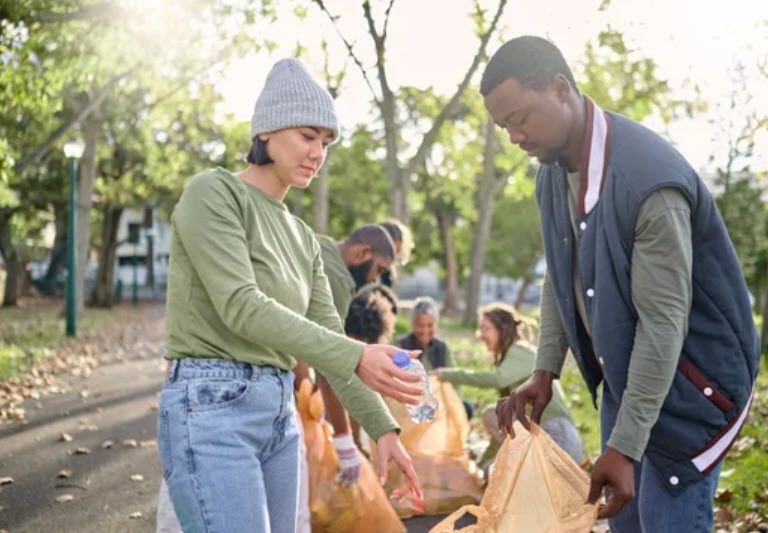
(291, 98)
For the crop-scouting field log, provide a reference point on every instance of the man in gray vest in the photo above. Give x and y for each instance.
(642, 285)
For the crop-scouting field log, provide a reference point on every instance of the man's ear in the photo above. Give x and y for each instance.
(363, 253)
(562, 87)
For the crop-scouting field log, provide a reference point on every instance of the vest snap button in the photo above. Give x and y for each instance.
(601, 360)
(674, 480)
(590, 292)
(583, 226)
(707, 391)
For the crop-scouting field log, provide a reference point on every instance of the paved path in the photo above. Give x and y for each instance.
(116, 403)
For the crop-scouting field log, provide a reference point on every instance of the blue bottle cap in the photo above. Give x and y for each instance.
(401, 359)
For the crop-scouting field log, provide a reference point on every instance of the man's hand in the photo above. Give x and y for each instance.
(349, 459)
(616, 472)
(377, 370)
(389, 447)
(537, 391)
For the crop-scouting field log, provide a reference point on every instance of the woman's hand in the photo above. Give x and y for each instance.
(377, 370)
(389, 447)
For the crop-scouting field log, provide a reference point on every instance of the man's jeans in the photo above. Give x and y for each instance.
(229, 445)
(654, 509)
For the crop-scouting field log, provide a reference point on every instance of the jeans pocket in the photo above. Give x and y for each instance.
(164, 443)
(210, 394)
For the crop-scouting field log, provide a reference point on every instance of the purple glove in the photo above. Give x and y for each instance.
(349, 459)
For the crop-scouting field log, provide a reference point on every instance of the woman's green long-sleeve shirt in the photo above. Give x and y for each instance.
(515, 368)
(246, 283)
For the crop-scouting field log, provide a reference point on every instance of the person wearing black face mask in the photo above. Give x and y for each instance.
(350, 264)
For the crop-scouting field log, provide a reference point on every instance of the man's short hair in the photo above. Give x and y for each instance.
(532, 61)
(376, 237)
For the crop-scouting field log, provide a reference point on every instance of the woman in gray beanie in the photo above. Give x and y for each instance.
(247, 298)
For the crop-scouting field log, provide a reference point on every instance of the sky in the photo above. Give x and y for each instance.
(431, 43)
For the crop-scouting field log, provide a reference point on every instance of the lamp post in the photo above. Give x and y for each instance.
(73, 150)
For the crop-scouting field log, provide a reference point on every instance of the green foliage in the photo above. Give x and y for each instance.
(30, 335)
(743, 212)
(359, 193)
(621, 80)
(515, 244)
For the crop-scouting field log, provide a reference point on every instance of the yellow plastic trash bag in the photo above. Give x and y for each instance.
(334, 508)
(535, 487)
(445, 435)
(448, 478)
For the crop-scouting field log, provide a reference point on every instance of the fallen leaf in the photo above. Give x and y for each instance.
(79, 451)
(5, 481)
(63, 498)
(130, 443)
(723, 495)
(136, 514)
(65, 437)
(107, 444)
(148, 443)
(84, 393)
(64, 474)
(137, 477)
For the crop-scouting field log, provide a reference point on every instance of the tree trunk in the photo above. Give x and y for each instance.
(490, 186)
(59, 250)
(398, 183)
(451, 297)
(103, 292)
(320, 189)
(523, 289)
(12, 261)
(149, 224)
(90, 128)
(764, 329)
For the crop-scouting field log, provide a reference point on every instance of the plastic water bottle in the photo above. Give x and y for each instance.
(426, 409)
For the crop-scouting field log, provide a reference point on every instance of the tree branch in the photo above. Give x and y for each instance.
(429, 137)
(61, 130)
(378, 43)
(350, 50)
(106, 9)
(386, 20)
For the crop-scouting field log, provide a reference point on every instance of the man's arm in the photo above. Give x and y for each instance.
(662, 259)
(553, 343)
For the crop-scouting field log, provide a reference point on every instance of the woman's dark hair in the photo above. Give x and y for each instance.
(532, 61)
(507, 322)
(258, 154)
(370, 318)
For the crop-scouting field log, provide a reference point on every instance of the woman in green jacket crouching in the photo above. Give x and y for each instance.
(500, 328)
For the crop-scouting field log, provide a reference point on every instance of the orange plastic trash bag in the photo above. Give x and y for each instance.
(448, 478)
(334, 508)
(535, 487)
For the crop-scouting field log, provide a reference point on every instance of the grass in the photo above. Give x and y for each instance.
(30, 334)
(744, 478)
